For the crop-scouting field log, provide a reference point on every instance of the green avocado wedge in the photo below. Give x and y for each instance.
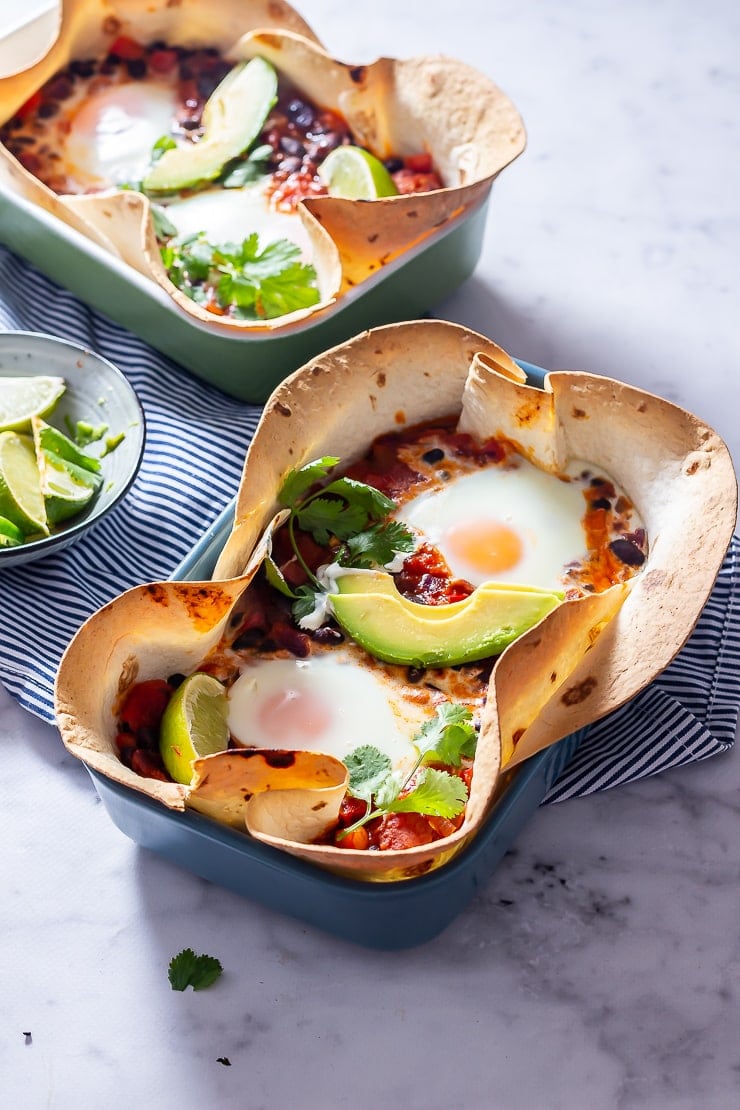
(389, 627)
(232, 119)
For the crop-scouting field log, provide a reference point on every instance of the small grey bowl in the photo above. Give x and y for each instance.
(96, 392)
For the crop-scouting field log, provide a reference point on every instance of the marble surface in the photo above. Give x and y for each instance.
(598, 966)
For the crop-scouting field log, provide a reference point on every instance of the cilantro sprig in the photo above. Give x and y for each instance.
(346, 515)
(255, 282)
(446, 738)
(189, 970)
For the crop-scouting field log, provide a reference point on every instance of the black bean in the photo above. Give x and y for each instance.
(628, 552)
(294, 147)
(301, 114)
(289, 165)
(414, 674)
(137, 68)
(59, 88)
(434, 456)
(328, 634)
(601, 503)
(251, 637)
(83, 68)
(393, 165)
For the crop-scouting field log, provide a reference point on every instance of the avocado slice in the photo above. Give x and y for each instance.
(233, 117)
(389, 627)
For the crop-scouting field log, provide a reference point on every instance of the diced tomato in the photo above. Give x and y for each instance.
(351, 810)
(408, 181)
(126, 48)
(144, 705)
(31, 106)
(358, 839)
(162, 61)
(149, 765)
(403, 830)
(419, 163)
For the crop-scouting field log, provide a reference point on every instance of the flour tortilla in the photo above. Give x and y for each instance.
(434, 104)
(579, 663)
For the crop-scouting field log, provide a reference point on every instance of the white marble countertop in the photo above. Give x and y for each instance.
(598, 967)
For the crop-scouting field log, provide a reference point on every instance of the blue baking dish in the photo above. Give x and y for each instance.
(385, 915)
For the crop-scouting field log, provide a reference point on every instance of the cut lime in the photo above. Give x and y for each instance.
(67, 488)
(10, 536)
(66, 482)
(51, 439)
(194, 725)
(355, 174)
(21, 499)
(22, 398)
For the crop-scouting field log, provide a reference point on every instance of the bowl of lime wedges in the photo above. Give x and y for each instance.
(72, 436)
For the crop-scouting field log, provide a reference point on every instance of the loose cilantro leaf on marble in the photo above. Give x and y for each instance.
(189, 970)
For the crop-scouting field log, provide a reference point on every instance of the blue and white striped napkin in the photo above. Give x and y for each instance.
(196, 441)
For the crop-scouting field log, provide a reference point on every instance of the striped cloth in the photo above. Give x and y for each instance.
(196, 441)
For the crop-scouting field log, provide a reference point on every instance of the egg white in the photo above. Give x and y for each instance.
(326, 703)
(544, 512)
(112, 132)
(230, 215)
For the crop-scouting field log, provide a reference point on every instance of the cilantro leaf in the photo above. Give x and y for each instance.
(368, 768)
(257, 282)
(305, 602)
(163, 143)
(298, 482)
(275, 577)
(448, 736)
(249, 170)
(324, 518)
(163, 225)
(438, 794)
(375, 503)
(378, 545)
(188, 970)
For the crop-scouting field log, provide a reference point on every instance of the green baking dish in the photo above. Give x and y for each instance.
(246, 367)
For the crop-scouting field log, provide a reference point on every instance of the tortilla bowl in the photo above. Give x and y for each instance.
(433, 105)
(583, 660)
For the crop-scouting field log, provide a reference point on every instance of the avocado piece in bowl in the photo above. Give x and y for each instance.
(390, 627)
(232, 119)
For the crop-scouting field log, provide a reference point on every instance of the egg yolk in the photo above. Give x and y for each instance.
(290, 716)
(488, 546)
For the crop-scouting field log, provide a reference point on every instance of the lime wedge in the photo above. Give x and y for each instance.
(51, 439)
(21, 499)
(66, 484)
(355, 174)
(67, 488)
(22, 398)
(194, 725)
(10, 536)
